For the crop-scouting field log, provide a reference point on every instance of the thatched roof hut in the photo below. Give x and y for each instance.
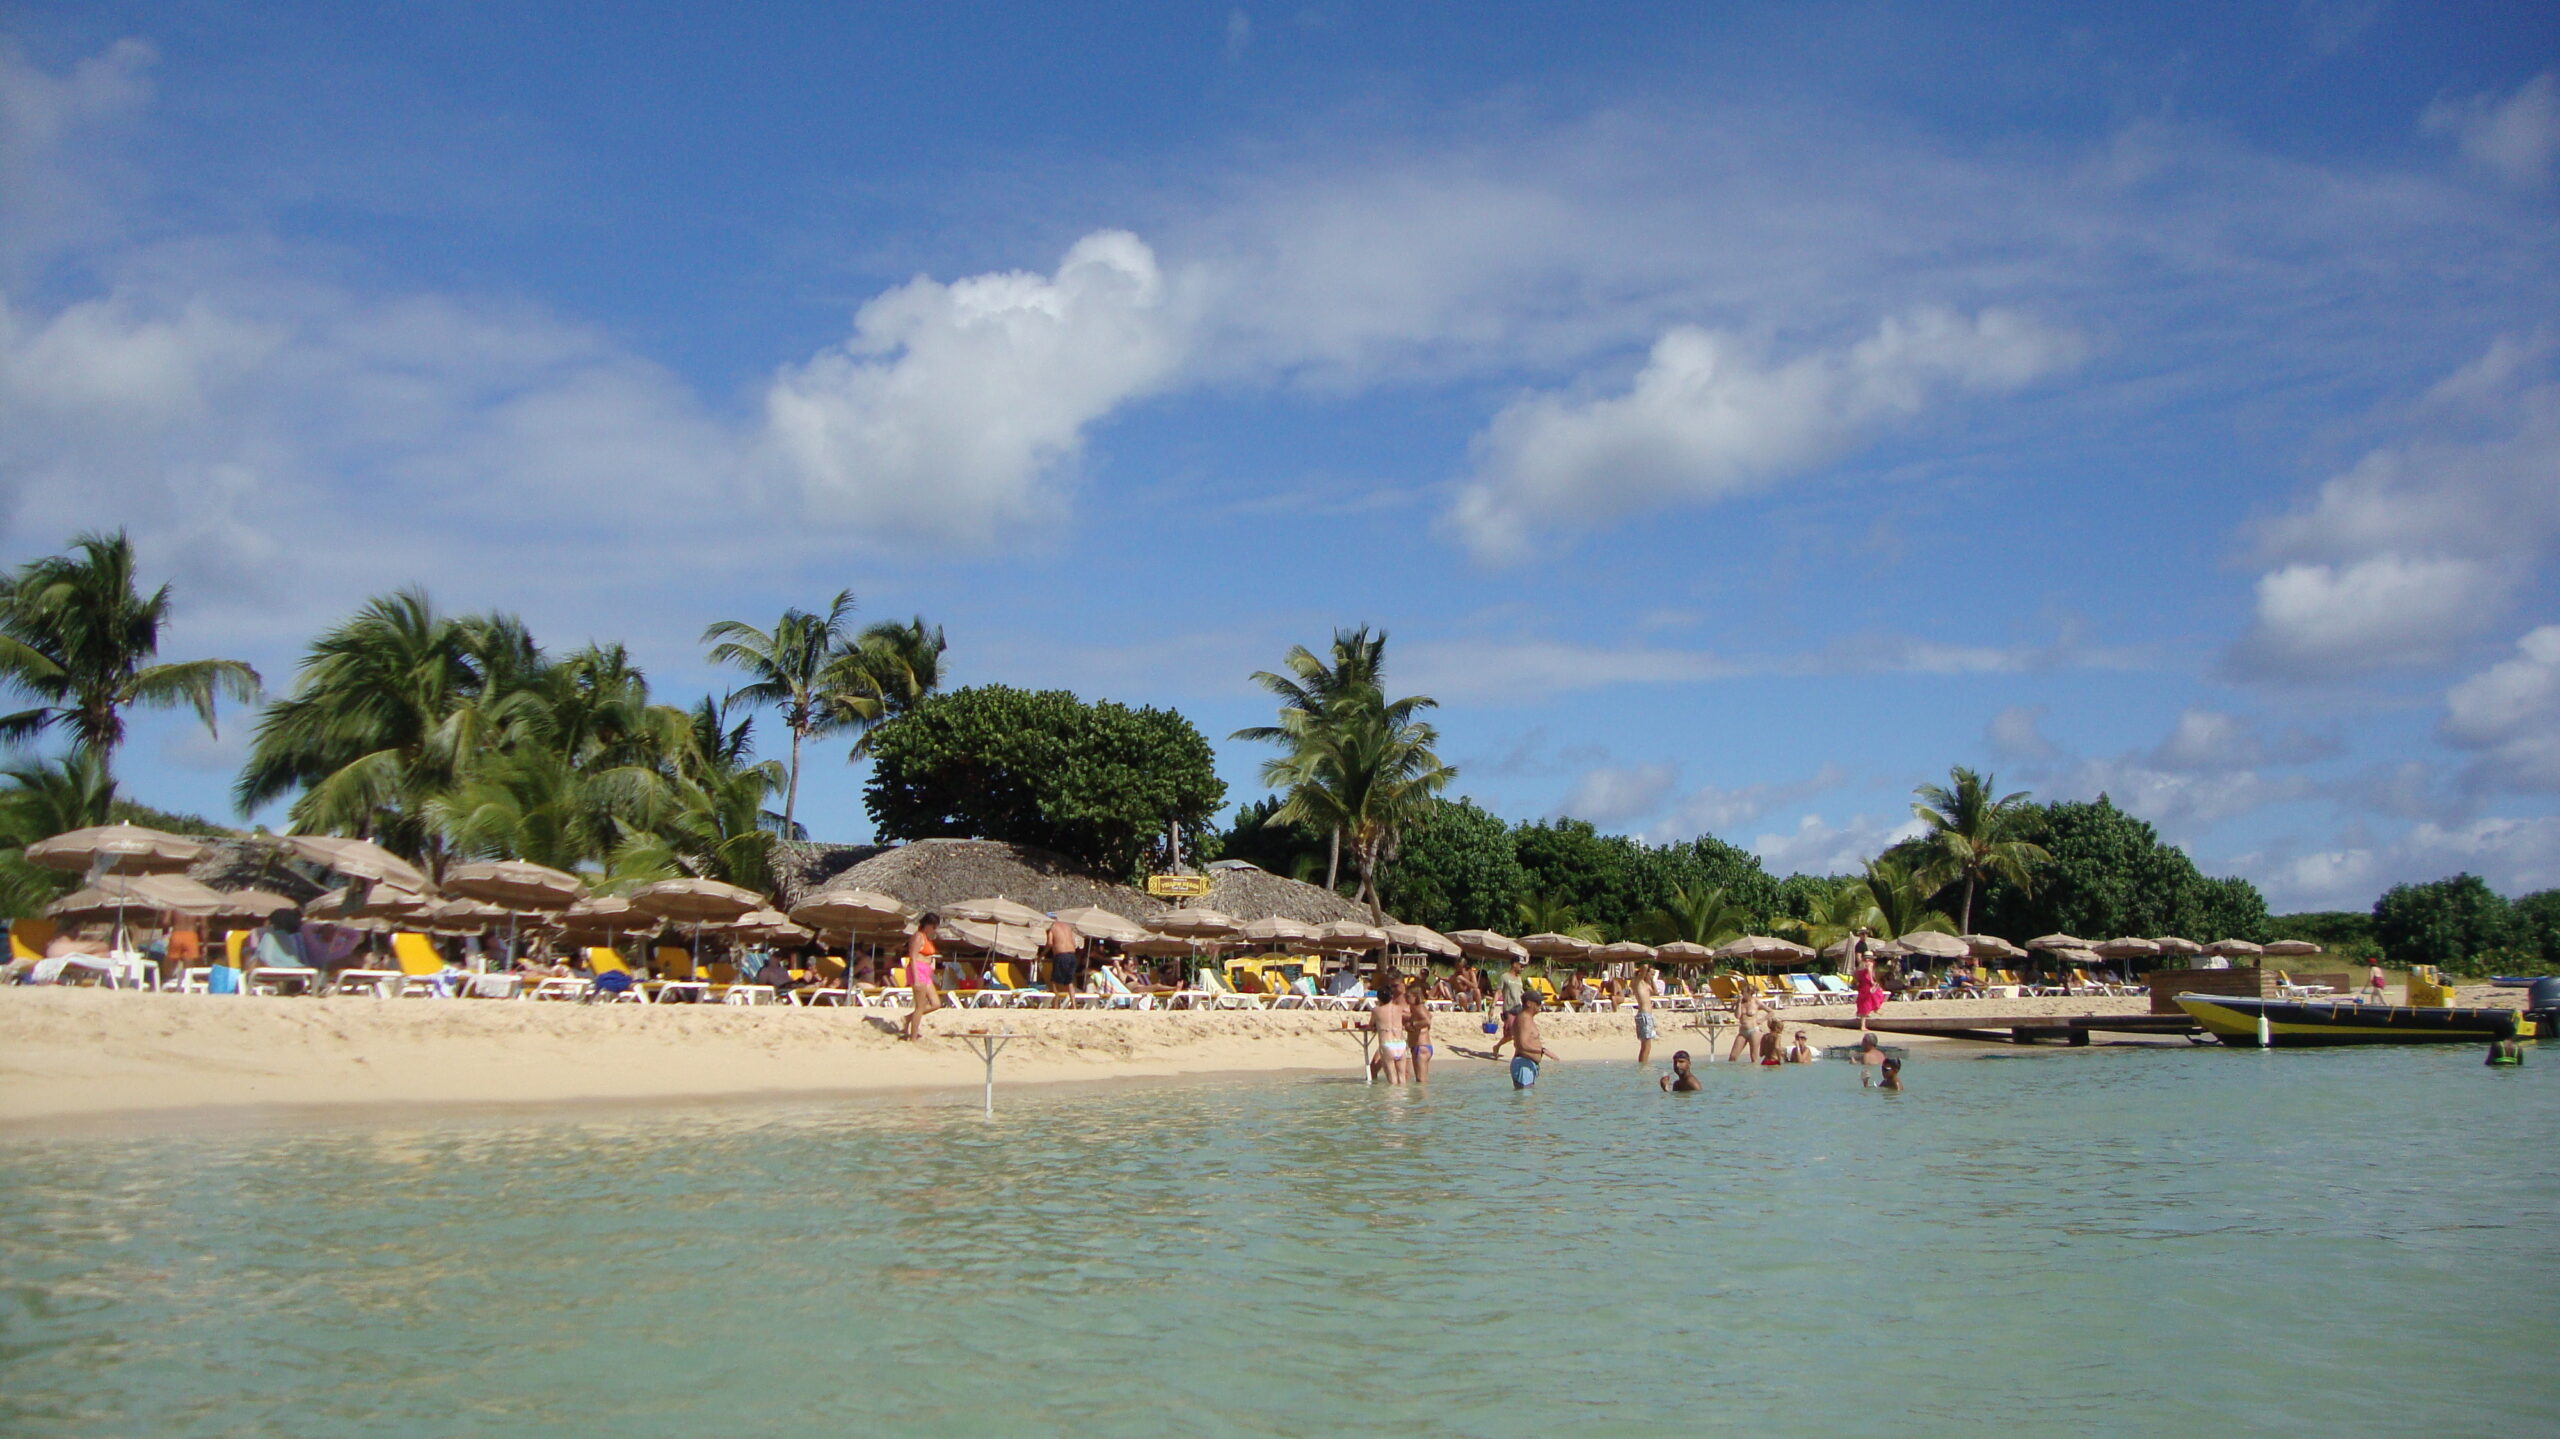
(933, 873)
(1249, 892)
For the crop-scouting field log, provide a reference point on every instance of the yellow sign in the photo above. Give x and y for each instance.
(1177, 886)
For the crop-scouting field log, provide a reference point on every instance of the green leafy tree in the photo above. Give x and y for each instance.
(2537, 917)
(2449, 922)
(1368, 773)
(1258, 837)
(1545, 913)
(38, 800)
(1457, 870)
(799, 667)
(1095, 782)
(80, 639)
(2339, 931)
(2110, 874)
(1601, 877)
(1974, 836)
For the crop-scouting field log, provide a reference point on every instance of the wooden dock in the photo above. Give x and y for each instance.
(2073, 1029)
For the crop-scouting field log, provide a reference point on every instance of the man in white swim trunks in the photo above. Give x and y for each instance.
(1395, 1050)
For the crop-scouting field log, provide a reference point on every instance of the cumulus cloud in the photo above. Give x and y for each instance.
(2509, 714)
(52, 162)
(1710, 417)
(2418, 547)
(1614, 797)
(953, 409)
(2513, 137)
(1620, 796)
(2515, 856)
(1493, 670)
(1816, 846)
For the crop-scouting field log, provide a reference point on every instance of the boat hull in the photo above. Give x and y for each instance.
(2298, 1023)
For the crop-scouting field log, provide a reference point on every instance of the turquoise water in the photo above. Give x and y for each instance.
(2129, 1243)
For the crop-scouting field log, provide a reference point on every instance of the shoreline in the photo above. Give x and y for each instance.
(81, 1059)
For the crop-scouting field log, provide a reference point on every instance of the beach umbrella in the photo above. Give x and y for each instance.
(770, 924)
(113, 894)
(1429, 941)
(695, 901)
(464, 916)
(1159, 946)
(2058, 941)
(516, 884)
(1991, 946)
(355, 859)
(1013, 941)
(1681, 951)
(1274, 929)
(1195, 923)
(2171, 944)
(1624, 951)
(1762, 947)
(1550, 945)
(2127, 948)
(2283, 948)
(249, 903)
(1096, 923)
(607, 914)
(998, 910)
(1349, 934)
(2235, 949)
(364, 900)
(853, 911)
(1485, 944)
(115, 849)
(1936, 946)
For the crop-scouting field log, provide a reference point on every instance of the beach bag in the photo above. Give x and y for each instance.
(1492, 1028)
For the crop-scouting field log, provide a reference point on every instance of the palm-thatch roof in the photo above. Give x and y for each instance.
(933, 873)
(1249, 892)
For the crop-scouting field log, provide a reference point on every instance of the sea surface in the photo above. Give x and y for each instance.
(2116, 1242)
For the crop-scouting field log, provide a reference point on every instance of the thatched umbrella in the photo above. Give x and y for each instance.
(1194, 923)
(697, 902)
(1159, 946)
(1681, 951)
(1274, 930)
(1764, 948)
(1485, 944)
(998, 910)
(2288, 948)
(113, 894)
(2170, 944)
(465, 916)
(852, 910)
(1096, 923)
(2129, 947)
(1624, 951)
(2235, 949)
(770, 924)
(115, 849)
(251, 904)
(1936, 946)
(1429, 941)
(2059, 941)
(1349, 934)
(1991, 946)
(516, 884)
(355, 859)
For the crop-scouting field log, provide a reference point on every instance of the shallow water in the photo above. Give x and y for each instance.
(2135, 1243)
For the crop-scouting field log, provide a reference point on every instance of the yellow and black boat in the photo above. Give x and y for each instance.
(2286, 1023)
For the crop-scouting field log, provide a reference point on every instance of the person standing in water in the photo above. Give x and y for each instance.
(1386, 1021)
(1528, 1047)
(922, 955)
(1747, 1017)
(1508, 996)
(1417, 1033)
(1648, 1025)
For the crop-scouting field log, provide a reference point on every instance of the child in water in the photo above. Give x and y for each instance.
(1892, 1076)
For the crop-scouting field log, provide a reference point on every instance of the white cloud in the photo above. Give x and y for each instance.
(1817, 847)
(1613, 797)
(2510, 714)
(2418, 547)
(52, 168)
(2017, 733)
(954, 407)
(2515, 855)
(1532, 670)
(1708, 418)
(2514, 138)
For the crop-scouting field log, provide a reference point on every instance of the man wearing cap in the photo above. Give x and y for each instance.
(1681, 1079)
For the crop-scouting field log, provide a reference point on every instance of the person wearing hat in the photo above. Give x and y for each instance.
(1681, 1079)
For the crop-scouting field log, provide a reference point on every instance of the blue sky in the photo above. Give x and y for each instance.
(1736, 414)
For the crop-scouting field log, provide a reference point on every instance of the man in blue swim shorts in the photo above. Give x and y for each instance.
(1528, 1047)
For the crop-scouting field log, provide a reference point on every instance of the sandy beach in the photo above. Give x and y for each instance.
(69, 1054)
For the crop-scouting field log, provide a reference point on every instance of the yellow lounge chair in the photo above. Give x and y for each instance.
(28, 937)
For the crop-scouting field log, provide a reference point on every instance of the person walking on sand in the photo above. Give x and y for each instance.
(1508, 997)
(2373, 982)
(1528, 1047)
(1417, 1033)
(1386, 1021)
(922, 954)
(1648, 1026)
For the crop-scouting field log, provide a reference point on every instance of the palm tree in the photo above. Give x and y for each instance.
(1836, 914)
(38, 800)
(890, 670)
(390, 711)
(1367, 772)
(77, 636)
(1313, 695)
(1707, 917)
(1549, 914)
(1898, 902)
(1973, 836)
(789, 668)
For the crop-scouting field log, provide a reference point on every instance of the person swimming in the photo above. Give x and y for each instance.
(1892, 1075)
(1681, 1079)
(2505, 1051)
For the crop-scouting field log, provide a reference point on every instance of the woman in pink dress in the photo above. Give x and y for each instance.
(1870, 994)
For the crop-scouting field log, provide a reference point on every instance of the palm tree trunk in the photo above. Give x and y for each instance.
(1966, 923)
(1333, 860)
(791, 791)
